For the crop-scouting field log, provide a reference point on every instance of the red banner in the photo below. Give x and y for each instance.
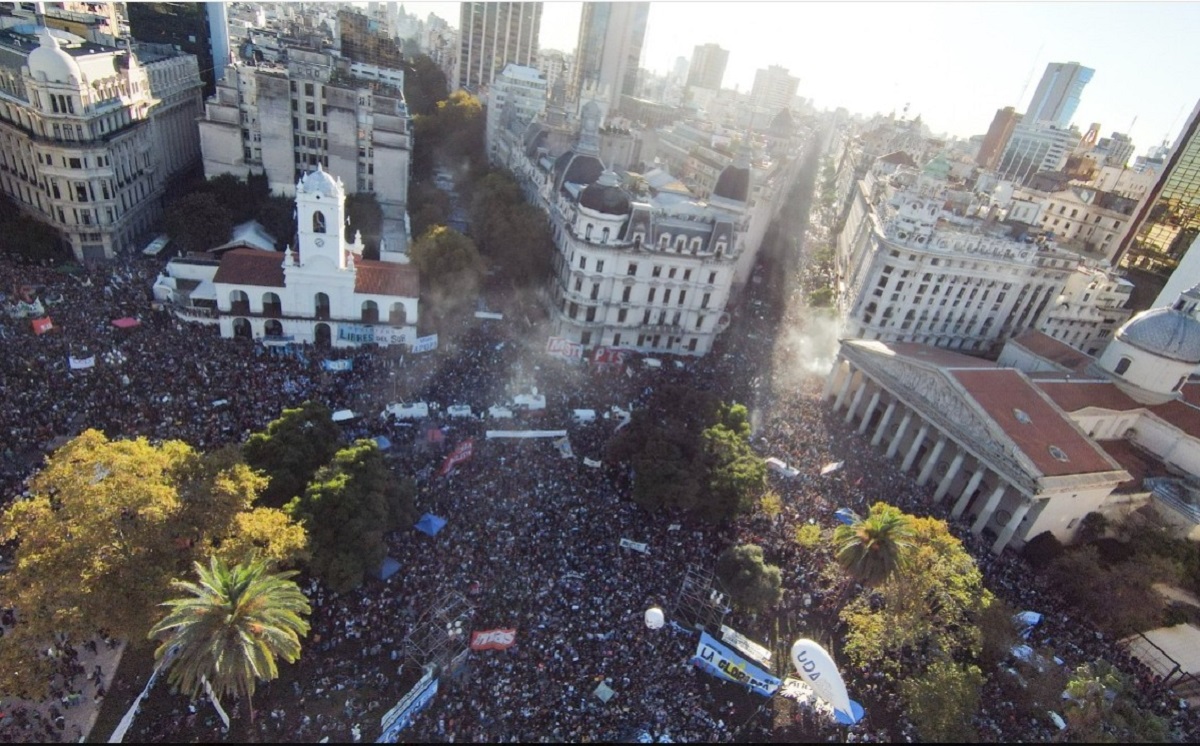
(493, 639)
(42, 325)
(462, 452)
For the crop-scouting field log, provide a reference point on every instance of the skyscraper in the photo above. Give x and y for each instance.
(609, 50)
(708, 66)
(491, 35)
(774, 88)
(1168, 221)
(1057, 95)
(997, 137)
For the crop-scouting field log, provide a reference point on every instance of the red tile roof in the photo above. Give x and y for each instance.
(1003, 391)
(1049, 348)
(1180, 414)
(1191, 393)
(251, 267)
(1134, 460)
(386, 278)
(1073, 396)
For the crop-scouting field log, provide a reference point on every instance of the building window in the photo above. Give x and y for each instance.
(582, 263)
(1123, 365)
(704, 300)
(650, 296)
(600, 263)
(625, 293)
(632, 271)
(657, 271)
(621, 316)
(318, 222)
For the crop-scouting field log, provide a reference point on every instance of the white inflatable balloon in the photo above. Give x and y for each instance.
(655, 618)
(819, 671)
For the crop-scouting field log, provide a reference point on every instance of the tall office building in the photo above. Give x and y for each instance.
(609, 51)
(1168, 220)
(774, 88)
(708, 66)
(1057, 95)
(493, 35)
(1034, 147)
(996, 139)
(196, 28)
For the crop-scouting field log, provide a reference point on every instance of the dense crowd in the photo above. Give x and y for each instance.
(532, 538)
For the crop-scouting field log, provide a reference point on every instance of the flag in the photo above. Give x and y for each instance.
(564, 447)
(831, 467)
(81, 363)
(216, 703)
(462, 452)
(42, 325)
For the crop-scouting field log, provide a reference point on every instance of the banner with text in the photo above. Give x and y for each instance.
(493, 639)
(425, 344)
(564, 349)
(338, 365)
(401, 716)
(460, 454)
(81, 363)
(636, 546)
(42, 325)
(724, 663)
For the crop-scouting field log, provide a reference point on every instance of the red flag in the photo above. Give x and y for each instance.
(493, 639)
(462, 452)
(42, 325)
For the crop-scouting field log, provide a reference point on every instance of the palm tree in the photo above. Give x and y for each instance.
(230, 629)
(873, 548)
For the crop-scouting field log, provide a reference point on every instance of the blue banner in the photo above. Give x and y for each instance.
(401, 716)
(724, 663)
(337, 365)
(359, 333)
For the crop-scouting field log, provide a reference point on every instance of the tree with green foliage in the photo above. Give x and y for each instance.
(736, 474)
(277, 215)
(107, 525)
(873, 548)
(1117, 597)
(1101, 708)
(291, 450)
(424, 85)
(752, 584)
(930, 603)
(235, 195)
(691, 452)
(348, 508)
(513, 234)
(942, 700)
(366, 216)
(231, 628)
(821, 298)
(453, 136)
(198, 222)
(1042, 550)
(450, 266)
(428, 207)
(1093, 526)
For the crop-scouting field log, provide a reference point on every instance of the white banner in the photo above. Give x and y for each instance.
(489, 315)
(81, 363)
(564, 349)
(594, 464)
(564, 447)
(338, 365)
(636, 546)
(425, 344)
(525, 433)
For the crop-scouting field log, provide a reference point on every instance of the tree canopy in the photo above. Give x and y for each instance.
(364, 214)
(453, 135)
(198, 222)
(424, 85)
(25, 237)
(928, 608)
(348, 508)
(107, 526)
(691, 452)
(291, 450)
(752, 584)
(450, 266)
(942, 700)
(513, 234)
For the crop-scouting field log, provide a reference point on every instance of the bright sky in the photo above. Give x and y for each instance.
(954, 63)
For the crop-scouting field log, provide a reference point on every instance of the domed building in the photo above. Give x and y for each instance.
(92, 134)
(1153, 354)
(1047, 434)
(645, 273)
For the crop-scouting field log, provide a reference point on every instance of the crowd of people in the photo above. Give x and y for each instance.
(533, 538)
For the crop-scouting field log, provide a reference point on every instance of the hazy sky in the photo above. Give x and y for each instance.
(954, 63)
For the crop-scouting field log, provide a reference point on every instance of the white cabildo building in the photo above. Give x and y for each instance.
(1046, 435)
(322, 291)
